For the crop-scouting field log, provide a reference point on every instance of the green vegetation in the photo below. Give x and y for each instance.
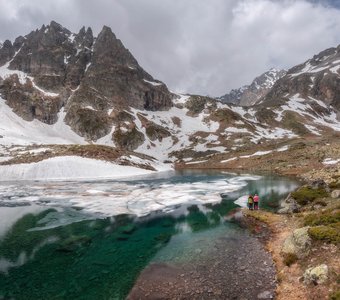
(324, 233)
(306, 194)
(289, 259)
(323, 218)
(326, 225)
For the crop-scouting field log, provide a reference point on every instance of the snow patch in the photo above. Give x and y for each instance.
(16, 131)
(153, 82)
(330, 161)
(66, 168)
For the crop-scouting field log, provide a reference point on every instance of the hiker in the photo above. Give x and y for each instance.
(256, 202)
(250, 202)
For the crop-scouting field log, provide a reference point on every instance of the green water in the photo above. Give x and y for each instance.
(101, 258)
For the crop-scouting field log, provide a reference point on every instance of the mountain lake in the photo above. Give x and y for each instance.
(92, 239)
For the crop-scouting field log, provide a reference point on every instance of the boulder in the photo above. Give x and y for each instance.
(335, 194)
(298, 243)
(289, 205)
(316, 275)
(320, 184)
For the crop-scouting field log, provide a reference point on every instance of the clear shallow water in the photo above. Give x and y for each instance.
(90, 240)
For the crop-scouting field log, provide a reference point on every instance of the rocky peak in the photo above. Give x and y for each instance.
(58, 28)
(19, 41)
(84, 39)
(51, 67)
(250, 94)
(267, 79)
(109, 49)
(6, 52)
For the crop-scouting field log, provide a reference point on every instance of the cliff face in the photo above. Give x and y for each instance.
(52, 67)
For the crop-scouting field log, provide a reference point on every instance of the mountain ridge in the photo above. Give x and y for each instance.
(58, 87)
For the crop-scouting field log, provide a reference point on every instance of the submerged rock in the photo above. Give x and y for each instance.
(316, 275)
(297, 243)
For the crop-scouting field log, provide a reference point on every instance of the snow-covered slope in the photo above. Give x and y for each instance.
(16, 131)
(69, 168)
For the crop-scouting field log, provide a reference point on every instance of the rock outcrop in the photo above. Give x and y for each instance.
(289, 205)
(316, 275)
(298, 243)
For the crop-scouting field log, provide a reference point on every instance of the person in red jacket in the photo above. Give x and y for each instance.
(256, 202)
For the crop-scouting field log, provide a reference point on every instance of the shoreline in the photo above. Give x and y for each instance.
(278, 228)
(291, 276)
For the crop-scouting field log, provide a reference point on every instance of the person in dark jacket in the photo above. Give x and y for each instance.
(250, 202)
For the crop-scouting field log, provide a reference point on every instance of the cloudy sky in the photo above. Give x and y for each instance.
(195, 46)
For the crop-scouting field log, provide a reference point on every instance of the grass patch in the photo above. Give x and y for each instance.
(324, 218)
(260, 215)
(306, 194)
(289, 259)
(330, 234)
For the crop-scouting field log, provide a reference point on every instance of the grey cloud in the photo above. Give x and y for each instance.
(195, 46)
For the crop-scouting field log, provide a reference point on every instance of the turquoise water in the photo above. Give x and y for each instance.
(72, 250)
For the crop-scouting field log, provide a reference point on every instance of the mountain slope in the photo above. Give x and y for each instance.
(307, 98)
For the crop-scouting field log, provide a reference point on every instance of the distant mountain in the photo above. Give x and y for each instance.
(250, 94)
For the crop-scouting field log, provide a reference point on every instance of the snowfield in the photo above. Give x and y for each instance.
(16, 131)
(71, 168)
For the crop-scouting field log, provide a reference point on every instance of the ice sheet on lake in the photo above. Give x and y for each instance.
(109, 198)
